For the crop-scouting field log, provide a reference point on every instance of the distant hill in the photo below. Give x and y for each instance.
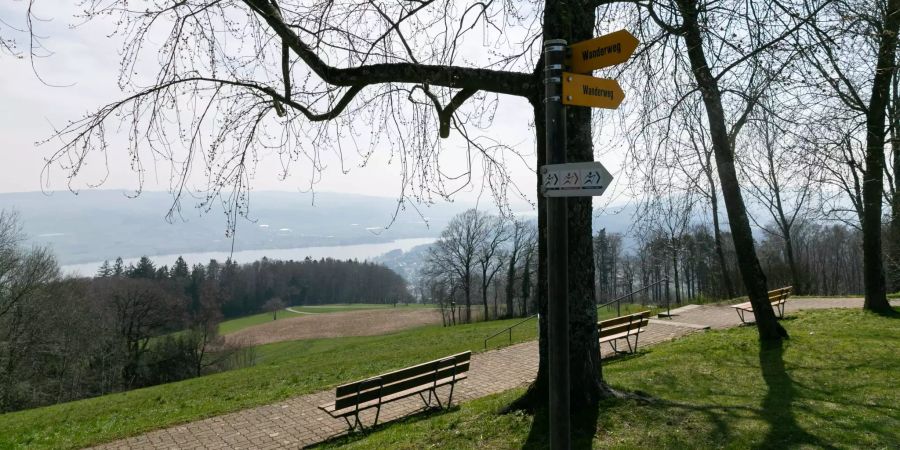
(102, 224)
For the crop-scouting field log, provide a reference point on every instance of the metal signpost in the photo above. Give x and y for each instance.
(560, 180)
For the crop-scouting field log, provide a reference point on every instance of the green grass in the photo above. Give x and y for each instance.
(894, 296)
(230, 326)
(610, 312)
(832, 385)
(283, 370)
(233, 325)
(341, 307)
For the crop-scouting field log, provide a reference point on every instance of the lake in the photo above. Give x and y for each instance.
(360, 252)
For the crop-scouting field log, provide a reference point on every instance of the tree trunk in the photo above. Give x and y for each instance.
(873, 178)
(675, 271)
(468, 292)
(799, 287)
(510, 285)
(526, 282)
(573, 21)
(893, 268)
(717, 235)
(751, 271)
(484, 295)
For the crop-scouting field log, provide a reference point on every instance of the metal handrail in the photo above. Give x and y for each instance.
(618, 301)
(509, 329)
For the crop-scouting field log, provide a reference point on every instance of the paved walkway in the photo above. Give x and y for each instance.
(298, 422)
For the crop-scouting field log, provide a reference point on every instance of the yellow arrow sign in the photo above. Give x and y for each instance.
(582, 90)
(604, 51)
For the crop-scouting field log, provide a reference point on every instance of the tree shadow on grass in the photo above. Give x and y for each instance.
(784, 431)
(348, 437)
(583, 426)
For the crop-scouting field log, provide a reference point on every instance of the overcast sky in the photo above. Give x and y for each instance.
(84, 65)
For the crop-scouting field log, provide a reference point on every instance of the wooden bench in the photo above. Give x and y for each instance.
(777, 298)
(624, 327)
(352, 398)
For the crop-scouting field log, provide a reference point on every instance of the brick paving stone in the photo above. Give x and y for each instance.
(298, 422)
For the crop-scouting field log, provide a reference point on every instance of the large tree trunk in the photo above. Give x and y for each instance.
(717, 234)
(742, 234)
(573, 21)
(873, 178)
(893, 247)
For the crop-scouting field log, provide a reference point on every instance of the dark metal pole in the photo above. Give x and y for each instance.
(557, 250)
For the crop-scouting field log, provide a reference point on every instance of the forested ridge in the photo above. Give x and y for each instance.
(64, 338)
(484, 266)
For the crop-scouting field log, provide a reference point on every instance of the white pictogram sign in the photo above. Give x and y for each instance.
(574, 179)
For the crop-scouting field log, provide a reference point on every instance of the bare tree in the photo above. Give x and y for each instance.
(25, 277)
(273, 305)
(846, 76)
(140, 309)
(489, 253)
(781, 179)
(522, 233)
(457, 251)
(724, 70)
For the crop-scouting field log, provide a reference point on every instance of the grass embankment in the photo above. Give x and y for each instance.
(832, 385)
(611, 312)
(233, 325)
(283, 370)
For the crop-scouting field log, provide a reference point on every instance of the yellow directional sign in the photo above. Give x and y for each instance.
(604, 51)
(582, 90)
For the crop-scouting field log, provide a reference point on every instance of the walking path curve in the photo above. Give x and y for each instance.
(298, 422)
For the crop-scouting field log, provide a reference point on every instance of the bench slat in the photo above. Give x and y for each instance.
(623, 319)
(425, 380)
(621, 335)
(409, 372)
(331, 408)
(777, 297)
(623, 328)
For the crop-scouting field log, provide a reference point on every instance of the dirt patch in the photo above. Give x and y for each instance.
(339, 324)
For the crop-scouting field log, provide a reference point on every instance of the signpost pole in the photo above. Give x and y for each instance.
(557, 251)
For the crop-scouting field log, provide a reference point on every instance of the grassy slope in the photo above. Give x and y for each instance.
(283, 370)
(832, 385)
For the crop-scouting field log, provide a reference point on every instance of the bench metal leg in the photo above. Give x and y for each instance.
(350, 426)
(437, 399)
(426, 402)
(377, 414)
(450, 397)
(741, 314)
(355, 425)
